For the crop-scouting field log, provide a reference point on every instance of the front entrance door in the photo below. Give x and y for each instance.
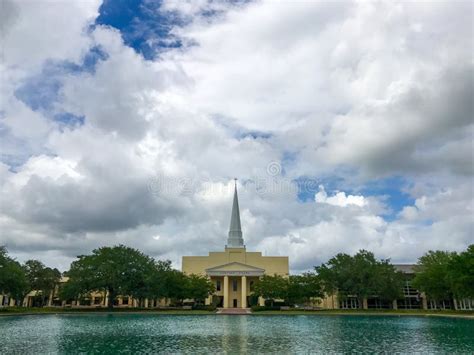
(235, 302)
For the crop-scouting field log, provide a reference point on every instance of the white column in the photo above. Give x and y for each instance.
(50, 299)
(1, 300)
(244, 292)
(226, 291)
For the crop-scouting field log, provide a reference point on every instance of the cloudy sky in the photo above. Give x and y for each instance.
(348, 124)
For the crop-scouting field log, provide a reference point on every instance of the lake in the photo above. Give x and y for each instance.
(126, 333)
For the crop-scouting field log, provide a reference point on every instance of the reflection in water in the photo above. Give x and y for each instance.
(233, 334)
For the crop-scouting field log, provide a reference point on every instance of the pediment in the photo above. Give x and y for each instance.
(235, 268)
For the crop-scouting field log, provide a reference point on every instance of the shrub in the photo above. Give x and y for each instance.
(264, 308)
(202, 307)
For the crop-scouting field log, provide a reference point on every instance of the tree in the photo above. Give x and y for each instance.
(361, 275)
(118, 270)
(41, 278)
(199, 288)
(461, 273)
(432, 275)
(302, 288)
(271, 287)
(157, 282)
(177, 288)
(12, 276)
(388, 282)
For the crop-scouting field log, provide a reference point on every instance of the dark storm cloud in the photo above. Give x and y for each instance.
(81, 206)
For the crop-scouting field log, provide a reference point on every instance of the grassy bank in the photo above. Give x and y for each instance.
(335, 312)
(60, 310)
(388, 312)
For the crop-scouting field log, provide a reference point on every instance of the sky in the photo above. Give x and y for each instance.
(349, 125)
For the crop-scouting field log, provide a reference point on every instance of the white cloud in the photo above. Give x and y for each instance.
(34, 31)
(357, 91)
(339, 198)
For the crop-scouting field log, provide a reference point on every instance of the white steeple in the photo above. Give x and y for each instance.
(235, 239)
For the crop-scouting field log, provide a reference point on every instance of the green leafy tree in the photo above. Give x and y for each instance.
(432, 275)
(461, 273)
(388, 281)
(361, 275)
(177, 288)
(157, 283)
(271, 287)
(199, 288)
(302, 288)
(118, 270)
(12, 276)
(41, 278)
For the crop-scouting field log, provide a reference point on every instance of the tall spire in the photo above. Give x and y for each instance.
(235, 239)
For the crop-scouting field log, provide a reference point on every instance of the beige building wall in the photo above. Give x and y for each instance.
(236, 265)
(272, 265)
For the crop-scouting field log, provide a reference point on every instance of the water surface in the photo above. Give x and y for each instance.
(132, 333)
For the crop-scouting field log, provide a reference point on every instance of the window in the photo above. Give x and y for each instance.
(234, 285)
(218, 285)
(445, 304)
(251, 286)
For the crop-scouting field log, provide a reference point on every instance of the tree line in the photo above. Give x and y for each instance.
(115, 271)
(360, 276)
(441, 275)
(125, 271)
(17, 280)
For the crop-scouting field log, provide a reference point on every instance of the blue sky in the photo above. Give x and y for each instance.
(126, 122)
(40, 92)
(142, 25)
(140, 21)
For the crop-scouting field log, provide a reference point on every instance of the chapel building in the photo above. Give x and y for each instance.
(235, 270)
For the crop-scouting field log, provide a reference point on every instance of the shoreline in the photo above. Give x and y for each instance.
(409, 313)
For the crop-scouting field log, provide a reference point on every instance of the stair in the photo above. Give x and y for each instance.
(233, 311)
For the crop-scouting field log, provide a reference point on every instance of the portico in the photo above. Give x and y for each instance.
(235, 270)
(234, 283)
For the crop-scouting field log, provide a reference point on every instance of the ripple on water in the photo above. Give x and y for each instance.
(126, 333)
